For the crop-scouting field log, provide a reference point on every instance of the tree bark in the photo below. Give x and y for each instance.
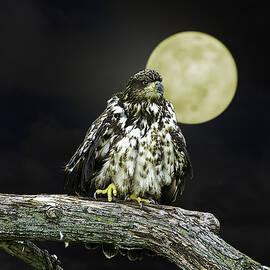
(187, 238)
(32, 255)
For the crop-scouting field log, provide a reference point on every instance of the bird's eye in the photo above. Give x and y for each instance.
(144, 82)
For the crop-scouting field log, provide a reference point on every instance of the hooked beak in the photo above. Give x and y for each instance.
(155, 87)
(159, 87)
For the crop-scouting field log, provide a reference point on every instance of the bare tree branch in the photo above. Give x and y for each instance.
(31, 254)
(187, 238)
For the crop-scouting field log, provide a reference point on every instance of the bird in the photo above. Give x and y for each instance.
(135, 150)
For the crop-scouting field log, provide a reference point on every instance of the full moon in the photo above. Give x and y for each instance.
(199, 75)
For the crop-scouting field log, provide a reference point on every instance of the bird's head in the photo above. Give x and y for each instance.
(145, 84)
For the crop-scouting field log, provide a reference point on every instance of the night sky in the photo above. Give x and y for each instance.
(61, 60)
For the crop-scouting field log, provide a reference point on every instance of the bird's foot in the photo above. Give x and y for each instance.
(138, 199)
(110, 190)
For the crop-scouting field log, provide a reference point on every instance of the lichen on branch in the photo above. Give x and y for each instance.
(187, 238)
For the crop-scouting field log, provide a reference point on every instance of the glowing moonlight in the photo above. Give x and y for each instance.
(199, 75)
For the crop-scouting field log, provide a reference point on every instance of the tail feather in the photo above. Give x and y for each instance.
(109, 250)
(135, 254)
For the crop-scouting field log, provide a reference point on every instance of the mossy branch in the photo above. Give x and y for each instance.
(31, 254)
(188, 238)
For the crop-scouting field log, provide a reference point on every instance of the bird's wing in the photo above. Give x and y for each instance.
(182, 164)
(83, 164)
(182, 167)
(180, 147)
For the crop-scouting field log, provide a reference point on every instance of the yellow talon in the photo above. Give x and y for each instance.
(138, 199)
(111, 189)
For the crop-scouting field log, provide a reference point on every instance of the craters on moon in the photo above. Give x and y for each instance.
(199, 75)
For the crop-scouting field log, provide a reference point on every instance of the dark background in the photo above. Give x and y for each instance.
(61, 60)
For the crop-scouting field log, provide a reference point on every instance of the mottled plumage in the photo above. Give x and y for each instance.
(135, 143)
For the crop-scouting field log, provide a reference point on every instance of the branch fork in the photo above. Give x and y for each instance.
(187, 238)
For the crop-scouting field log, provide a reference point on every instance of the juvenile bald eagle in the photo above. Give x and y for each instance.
(135, 148)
